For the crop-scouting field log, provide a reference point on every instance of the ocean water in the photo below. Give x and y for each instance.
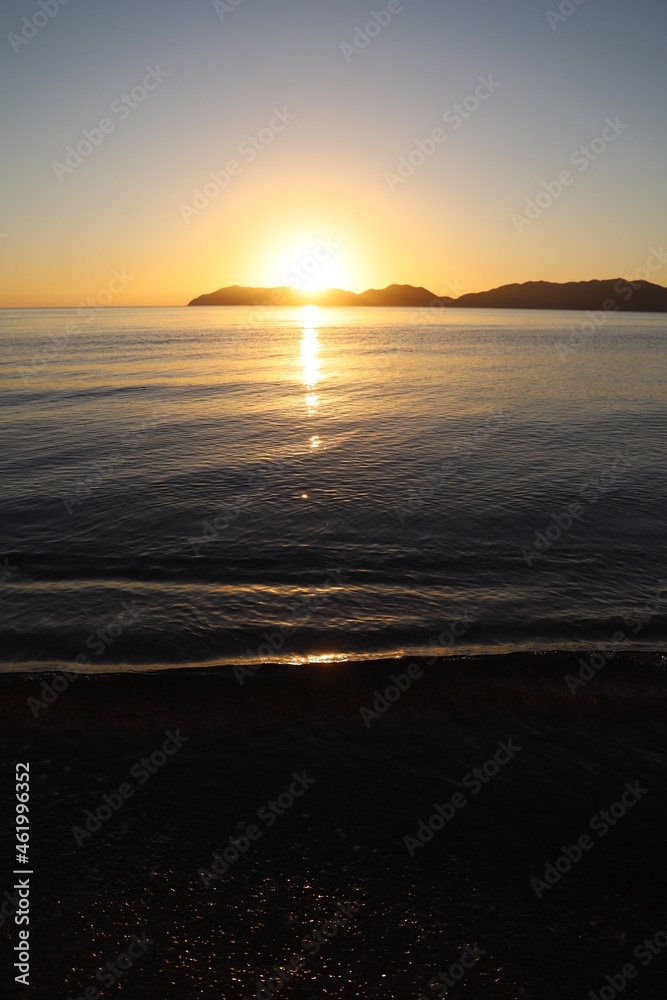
(200, 486)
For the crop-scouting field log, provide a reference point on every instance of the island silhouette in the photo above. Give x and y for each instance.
(611, 295)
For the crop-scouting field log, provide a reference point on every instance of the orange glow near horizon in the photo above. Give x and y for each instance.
(362, 241)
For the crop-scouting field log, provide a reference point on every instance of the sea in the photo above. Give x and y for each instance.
(194, 487)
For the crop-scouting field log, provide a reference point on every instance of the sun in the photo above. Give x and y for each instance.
(312, 264)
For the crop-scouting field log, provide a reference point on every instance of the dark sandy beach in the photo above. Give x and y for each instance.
(319, 881)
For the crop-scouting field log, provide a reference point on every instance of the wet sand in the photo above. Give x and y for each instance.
(333, 860)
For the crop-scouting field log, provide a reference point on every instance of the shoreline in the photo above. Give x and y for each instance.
(245, 697)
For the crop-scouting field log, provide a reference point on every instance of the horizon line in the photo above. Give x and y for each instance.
(333, 288)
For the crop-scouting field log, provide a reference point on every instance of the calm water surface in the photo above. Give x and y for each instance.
(206, 485)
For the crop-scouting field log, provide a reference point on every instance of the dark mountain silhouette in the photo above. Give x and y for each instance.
(393, 295)
(401, 295)
(615, 293)
(610, 295)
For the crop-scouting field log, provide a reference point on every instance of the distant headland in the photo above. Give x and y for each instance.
(612, 295)
(393, 295)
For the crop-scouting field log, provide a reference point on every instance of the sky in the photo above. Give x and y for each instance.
(160, 149)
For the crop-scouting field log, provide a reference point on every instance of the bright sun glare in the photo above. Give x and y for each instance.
(311, 265)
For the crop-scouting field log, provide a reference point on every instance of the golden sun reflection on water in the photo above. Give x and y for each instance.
(311, 366)
(324, 658)
(310, 362)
